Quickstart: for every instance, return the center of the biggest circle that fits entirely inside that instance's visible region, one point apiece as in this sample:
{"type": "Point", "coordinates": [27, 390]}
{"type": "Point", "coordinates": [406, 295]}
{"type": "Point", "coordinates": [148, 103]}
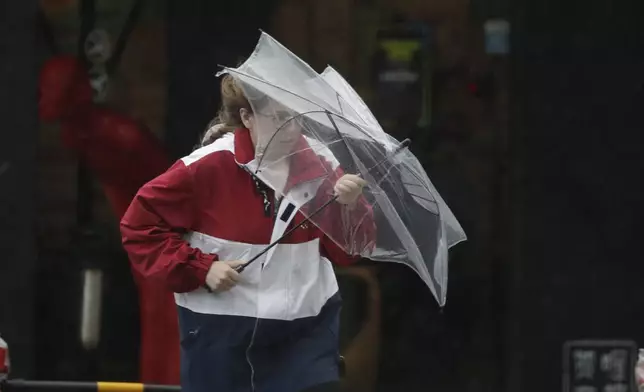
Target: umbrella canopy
{"type": "Point", "coordinates": [310, 129]}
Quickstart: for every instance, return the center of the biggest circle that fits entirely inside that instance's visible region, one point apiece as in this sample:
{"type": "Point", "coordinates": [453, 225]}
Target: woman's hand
{"type": "Point", "coordinates": [222, 275]}
{"type": "Point", "coordinates": [348, 188]}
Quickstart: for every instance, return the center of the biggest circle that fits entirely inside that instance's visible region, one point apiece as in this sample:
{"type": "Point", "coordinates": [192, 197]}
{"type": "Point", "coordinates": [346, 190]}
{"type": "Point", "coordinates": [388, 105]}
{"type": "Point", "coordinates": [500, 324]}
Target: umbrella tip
{"type": "Point", "coordinates": [223, 70]}
{"type": "Point", "coordinates": [404, 144]}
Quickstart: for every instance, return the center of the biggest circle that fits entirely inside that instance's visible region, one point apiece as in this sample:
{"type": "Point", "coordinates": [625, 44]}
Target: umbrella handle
{"type": "Point", "coordinates": [292, 229]}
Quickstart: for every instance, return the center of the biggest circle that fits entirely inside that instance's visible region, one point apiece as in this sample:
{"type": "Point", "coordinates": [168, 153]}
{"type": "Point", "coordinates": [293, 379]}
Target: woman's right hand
{"type": "Point", "coordinates": [222, 275]}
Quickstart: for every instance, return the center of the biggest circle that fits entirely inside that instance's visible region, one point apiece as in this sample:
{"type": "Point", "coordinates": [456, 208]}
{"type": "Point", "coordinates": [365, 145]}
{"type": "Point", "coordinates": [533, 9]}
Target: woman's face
{"type": "Point", "coordinates": [275, 131]}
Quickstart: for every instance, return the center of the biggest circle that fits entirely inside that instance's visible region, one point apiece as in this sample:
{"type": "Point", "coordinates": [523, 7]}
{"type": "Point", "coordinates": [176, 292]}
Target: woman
{"type": "Point", "coordinates": [273, 327]}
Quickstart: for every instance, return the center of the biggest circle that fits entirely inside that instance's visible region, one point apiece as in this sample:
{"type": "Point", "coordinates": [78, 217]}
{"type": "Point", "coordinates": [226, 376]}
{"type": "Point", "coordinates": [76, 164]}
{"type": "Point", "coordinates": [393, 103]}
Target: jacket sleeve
{"type": "Point", "coordinates": [352, 226]}
{"type": "Point", "coordinates": [152, 231]}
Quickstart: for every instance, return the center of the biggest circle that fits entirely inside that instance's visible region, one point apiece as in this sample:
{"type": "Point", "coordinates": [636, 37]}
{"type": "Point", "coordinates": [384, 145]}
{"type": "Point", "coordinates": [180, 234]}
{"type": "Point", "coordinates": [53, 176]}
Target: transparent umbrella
{"type": "Point", "coordinates": [313, 128]}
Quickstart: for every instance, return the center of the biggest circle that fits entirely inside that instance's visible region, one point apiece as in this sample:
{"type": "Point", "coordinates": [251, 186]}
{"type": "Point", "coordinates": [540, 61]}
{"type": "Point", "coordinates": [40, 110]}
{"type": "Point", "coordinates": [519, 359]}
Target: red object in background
{"type": "Point", "coordinates": [4, 359]}
{"type": "Point", "coordinates": [64, 88]}
{"type": "Point", "coordinates": [123, 155]}
{"type": "Point", "coordinates": [473, 87]}
{"type": "Point", "coordinates": [482, 85]}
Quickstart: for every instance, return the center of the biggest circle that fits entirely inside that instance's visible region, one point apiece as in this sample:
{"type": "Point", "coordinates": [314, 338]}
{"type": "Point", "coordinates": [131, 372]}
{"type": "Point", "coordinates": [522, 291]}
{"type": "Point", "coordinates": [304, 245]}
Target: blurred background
{"type": "Point", "coordinates": [528, 116]}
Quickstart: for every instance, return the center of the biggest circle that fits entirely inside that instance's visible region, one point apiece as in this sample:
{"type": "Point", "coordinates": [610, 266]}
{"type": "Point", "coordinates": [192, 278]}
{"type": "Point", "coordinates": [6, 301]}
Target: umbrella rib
{"type": "Point", "coordinates": [337, 130]}
{"type": "Point", "coordinates": [427, 200]}
{"type": "Point", "coordinates": [409, 184]}
{"type": "Point", "coordinates": [425, 187]}
{"type": "Point", "coordinates": [423, 198]}
{"type": "Point", "coordinates": [259, 164]}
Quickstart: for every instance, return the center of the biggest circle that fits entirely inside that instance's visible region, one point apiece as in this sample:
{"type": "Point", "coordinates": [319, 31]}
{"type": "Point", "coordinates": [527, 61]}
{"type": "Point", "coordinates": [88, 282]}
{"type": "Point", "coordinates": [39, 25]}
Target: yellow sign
{"type": "Point", "coordinates": [399, 49]}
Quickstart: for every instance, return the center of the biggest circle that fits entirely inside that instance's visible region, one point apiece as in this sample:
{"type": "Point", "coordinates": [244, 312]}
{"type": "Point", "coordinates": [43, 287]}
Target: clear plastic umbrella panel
{"type": "Point", "coordinates": [311, 129]}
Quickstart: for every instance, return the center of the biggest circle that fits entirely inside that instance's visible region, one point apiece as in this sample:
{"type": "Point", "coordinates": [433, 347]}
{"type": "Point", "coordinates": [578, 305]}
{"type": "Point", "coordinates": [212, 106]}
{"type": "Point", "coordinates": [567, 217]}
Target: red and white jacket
{"type": "Point", "coordinates": [206, 207]}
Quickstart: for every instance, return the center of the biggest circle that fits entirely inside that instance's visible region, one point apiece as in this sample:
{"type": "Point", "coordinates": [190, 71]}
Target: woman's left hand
{"type": "Point", "coordinates": [348, 188]}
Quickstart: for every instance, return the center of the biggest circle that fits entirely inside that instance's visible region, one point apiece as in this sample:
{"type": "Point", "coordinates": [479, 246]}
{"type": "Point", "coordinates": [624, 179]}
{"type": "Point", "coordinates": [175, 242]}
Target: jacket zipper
{"type": "Point", "coordinates": [250, 363]}
{"type": "Point", "coordinates": [270, 208]}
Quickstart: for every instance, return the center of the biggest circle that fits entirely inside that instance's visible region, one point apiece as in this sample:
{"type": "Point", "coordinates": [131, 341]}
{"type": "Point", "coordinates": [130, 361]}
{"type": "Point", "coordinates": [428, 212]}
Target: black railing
{"type": "Point", "coordinates": [89, 386]}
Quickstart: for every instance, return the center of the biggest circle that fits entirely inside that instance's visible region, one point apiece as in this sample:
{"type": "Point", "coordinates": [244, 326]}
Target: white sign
{"type": "Point", "coordinates": [497, 36]}
{"type": "Point", "coordinates": [98, 48]}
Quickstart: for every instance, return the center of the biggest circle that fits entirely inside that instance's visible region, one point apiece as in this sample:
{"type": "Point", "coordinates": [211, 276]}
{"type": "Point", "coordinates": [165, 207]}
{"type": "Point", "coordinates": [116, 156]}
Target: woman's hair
{"type": "Point", "coordinates": [228, 119]}
{"type": "Point", "coordinates": [233, 99]}
{"type": "Point", "coordinates": [213, 132]}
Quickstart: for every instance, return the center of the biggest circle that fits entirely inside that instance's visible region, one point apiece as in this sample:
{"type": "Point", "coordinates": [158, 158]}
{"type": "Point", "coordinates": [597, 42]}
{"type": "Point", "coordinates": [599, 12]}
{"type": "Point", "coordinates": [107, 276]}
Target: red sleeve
{"type": "Point", "coordinates": [356, 223]}
{"type": "Point", "coordinates": [152, 231]}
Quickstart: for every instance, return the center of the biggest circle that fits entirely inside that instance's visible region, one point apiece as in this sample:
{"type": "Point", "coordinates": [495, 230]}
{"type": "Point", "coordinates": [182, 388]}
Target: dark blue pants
{"type": "Point", "coordinates": [285, 356]}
